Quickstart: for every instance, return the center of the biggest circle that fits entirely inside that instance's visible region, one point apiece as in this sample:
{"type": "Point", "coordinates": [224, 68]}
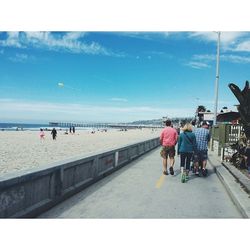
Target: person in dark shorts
{"type": "Point", "coordinates": [202, 138]}
{"type": "Point", "coordinates": [168, 140]}
{"type": "Point", "coordinates": [54, 133]}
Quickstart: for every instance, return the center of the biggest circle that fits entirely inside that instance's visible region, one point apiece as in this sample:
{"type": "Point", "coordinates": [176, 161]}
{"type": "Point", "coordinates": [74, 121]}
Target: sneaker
{"type": "Point", "coordinates": [197, 172]}
{"type": "Point", "coordinates": [183, 177]}
{"type": "Point", "coordinates": [171, 170]}
{"type": "Point", "coordinates": [165, 172]}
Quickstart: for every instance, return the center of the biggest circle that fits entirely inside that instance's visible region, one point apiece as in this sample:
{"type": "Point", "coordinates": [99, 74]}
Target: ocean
{"type": "Point", "coordinates": [33, 127]}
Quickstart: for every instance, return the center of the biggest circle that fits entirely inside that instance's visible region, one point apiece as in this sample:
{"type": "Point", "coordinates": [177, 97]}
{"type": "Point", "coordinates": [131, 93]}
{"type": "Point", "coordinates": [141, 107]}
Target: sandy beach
{"type": "Point", "coordinates": [24, 150]}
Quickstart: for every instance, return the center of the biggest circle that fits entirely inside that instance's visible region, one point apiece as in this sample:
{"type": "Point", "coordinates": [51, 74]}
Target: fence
{"type": "Point", "coordinates": [223, 136]}
{"type": "Point", "coordinates": [31, 192]}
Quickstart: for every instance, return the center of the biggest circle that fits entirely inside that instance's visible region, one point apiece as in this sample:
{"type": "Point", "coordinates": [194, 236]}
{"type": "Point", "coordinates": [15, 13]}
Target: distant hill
{"type": "Point", "coordinates": [148, 122]}
{"type": "Point", "coordinates": [160, 121]}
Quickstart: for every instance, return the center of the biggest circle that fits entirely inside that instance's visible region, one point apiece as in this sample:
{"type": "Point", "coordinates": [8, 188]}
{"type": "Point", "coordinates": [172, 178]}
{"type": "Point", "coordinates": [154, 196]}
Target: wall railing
{"type": "Point", "coordinates": [28, 193]}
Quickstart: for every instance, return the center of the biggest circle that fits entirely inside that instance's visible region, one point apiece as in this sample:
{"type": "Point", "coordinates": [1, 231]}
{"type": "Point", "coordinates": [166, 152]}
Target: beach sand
{"type": "Point", "coordinates": [21, 150]}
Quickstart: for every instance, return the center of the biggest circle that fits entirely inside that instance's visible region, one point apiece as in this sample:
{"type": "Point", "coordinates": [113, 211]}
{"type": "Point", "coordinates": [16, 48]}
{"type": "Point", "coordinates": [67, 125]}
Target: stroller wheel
{"type": "Point", "coordinates": [204, 172]}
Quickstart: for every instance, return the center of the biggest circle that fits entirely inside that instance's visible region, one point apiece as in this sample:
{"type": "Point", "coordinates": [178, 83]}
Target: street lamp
{"type": "Point", "coordinates": [217, 78]}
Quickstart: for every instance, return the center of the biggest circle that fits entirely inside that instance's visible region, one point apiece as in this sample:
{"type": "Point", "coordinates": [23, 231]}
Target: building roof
{"type": "Point", "coordinates": [228, 116]}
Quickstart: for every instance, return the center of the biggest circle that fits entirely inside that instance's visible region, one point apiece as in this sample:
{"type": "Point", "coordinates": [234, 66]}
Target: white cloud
{"type": "Point", "coordinates": [19, 109]}
{"type": "Point", "coordinates": [243, 46]}
{"type": "Point", "coordinates": [148, 35]}
{"type": "Point", "coordinates": [203, 60]}
{"type": "Point", "coordinates": [160, 54]}
{"type": "Point", "coordinates": [8, 104]}
{"type": "Point", "coordinates": [230, 41]}
{"type": "Point", "coordinates": [74, 35]}
{"type": "Point", "coordinates": [12, 40]}
{"type": "Point", "coordinates": [20, 57]}
{"type": "Point", "coordinates": [69, 42]}
{"type": "Point", "coordinates": [117, 99]}
{"type": "Point", "coordinates": [197, 65]}
{"type": "Point", "coordinates": [204, 57]}
{"type": "Point", "coordinates": [235, 58]}
{"type": "Point", "coordinates": [209, 104]}
{"type": "Point", "coordinates": [137, 35]}
{"type": "Point", "coordinates": [226, 37]}
{"type": "Point", "coordinates": [166, 34]}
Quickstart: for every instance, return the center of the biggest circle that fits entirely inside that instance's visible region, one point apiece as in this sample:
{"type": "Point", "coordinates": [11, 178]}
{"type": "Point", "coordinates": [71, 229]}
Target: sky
{"type": "Point", "coordinates": [117, 76]}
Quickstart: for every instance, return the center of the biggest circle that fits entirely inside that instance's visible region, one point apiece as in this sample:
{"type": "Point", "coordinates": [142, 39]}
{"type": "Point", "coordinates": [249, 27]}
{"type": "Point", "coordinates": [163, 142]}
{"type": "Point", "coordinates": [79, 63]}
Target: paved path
{"type": "Point", "coordinates": [139, 190]}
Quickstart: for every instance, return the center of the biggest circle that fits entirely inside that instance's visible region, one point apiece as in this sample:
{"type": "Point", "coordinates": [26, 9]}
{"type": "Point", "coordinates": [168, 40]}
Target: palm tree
{"type": "Point", "coordinates": [200, 108]}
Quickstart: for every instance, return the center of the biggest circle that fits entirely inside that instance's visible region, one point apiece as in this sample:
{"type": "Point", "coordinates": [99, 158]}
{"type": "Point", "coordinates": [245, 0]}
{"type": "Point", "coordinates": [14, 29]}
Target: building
{"type": "Point", "coordinates": [224, 116]}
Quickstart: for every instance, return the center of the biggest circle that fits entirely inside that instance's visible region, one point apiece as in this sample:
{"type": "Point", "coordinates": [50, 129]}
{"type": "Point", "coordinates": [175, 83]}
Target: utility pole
{"type": "Point", "coordinates": [217, 79]}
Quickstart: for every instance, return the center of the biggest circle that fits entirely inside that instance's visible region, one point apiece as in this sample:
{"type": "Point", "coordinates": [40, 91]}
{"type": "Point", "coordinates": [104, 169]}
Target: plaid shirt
{"type": "Point", "coordinates": [202, 138]}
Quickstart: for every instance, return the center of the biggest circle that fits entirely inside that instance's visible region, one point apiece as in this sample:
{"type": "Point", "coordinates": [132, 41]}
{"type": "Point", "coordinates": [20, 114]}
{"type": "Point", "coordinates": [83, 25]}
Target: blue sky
{"type": "Point", "coordinates": [116, 76]}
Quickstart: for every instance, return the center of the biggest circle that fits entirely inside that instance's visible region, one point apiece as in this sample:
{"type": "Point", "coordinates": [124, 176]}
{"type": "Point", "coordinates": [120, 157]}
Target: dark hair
{"type": "Point", "coordinates": [168, 123]}
{"type": "Point", "coordinates": [193, 122]}
{"type": "Point", "coordinates": [204, 123]}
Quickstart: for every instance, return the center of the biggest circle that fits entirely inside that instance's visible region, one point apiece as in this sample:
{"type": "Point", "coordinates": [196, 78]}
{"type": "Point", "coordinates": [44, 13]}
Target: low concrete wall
{"type": "Point", "coordinates": [28, 193]}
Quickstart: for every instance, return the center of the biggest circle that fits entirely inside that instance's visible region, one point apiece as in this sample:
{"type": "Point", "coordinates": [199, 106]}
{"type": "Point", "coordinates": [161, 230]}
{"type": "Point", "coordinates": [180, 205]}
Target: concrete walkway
{"type": "Point", "coordinates": [139, 190]}
{"type": "Point", "coordinates": [236, 184]}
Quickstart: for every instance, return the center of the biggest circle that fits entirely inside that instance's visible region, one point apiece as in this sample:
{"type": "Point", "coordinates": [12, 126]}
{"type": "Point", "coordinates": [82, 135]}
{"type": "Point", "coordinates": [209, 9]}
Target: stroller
{"type": "Point", "coordinates": [201, 173]}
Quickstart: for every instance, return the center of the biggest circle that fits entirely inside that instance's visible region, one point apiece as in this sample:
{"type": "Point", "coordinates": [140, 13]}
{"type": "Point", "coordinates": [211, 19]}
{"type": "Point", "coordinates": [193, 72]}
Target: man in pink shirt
{"type": "Point", "coordinates": [168, 141]}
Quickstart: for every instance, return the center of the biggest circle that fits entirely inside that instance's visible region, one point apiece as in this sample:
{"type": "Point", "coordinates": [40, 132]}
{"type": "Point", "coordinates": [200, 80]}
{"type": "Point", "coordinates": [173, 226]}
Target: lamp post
{"type": "Point", "coordinates": [196, 108]}
{"type": "Point", "coordinates": [217, 79]}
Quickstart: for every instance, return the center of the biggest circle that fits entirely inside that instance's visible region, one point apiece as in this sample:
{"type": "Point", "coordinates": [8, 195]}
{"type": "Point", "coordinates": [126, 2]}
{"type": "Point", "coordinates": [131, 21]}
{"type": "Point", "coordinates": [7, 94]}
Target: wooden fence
{"type": "Point", "coordinates": [222, 137]}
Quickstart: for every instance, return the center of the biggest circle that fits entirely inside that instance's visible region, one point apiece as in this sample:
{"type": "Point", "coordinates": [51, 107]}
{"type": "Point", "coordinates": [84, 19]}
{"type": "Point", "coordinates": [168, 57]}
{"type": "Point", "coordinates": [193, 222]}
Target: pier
{"type": "Point", "coordinates": [102, 125]}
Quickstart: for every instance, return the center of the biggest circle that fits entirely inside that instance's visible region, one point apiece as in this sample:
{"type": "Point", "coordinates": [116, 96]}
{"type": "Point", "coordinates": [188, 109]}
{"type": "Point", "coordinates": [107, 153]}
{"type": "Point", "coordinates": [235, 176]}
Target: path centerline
{"type": "Point", "coordinates": [159, 183]}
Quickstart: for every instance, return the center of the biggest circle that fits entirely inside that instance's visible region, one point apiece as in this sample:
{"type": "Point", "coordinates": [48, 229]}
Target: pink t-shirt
{"type": "Point", "coordinates": [168, 136]}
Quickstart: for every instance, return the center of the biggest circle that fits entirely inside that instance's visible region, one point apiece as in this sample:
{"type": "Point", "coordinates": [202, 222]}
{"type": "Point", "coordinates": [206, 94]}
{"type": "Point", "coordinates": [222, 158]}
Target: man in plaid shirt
{"type": "Point", "coordinates": [202, 139]}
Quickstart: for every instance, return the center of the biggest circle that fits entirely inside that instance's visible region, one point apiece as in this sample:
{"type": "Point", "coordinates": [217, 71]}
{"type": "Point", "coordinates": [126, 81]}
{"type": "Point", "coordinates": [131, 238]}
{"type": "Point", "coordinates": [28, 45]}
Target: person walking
{"type": "Point", "coordinates": [186, 148]}
{"type": "Point", "coordinates": [168, 140]}
{"type": "Point", "coordinates": [41, 134]}
{"type": "Point", "coordinates": [54, 133]}
{"type": "Point", "coordinates": [200, 157]}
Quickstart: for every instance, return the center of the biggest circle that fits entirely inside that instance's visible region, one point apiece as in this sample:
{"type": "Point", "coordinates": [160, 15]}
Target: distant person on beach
{"type": "Point", "coordinates": [42, 134]}
{"type": "Point", "coordinates": [54, 133]}
{"type": "Point", "coordinates": [168, 140]}
{"type": "Point", "coordinates": [70, 129]}
{"type": "Point", "coordinates": [186, 148]}
{"type": "Point", "coordinates": [202, 138]}
{"type": "Point", "coordinates": [73, 129]}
